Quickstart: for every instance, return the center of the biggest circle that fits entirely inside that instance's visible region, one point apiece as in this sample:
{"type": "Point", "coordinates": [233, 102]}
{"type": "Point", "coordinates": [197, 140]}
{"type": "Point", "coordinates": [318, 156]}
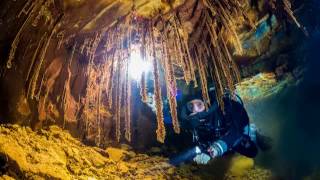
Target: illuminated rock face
{"type": "Point", "coordinates": [61, 58]}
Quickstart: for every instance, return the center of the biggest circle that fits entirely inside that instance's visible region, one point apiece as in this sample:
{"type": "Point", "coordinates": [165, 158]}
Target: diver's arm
{"type": "Point", "coordinates": [218, 148]}
{"type": "Point", "coordinates": [194, 154]}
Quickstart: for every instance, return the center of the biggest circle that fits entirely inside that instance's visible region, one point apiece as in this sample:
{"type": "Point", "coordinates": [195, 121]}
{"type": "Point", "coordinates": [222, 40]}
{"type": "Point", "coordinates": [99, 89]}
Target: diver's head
{"type": "Point", "coordinates": [195, 106]}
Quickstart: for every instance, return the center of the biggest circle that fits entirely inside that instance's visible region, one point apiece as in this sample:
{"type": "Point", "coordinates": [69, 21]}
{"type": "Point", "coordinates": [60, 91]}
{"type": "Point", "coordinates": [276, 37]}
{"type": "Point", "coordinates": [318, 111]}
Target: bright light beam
{"type": "Point", "coordinates": [137, 65]}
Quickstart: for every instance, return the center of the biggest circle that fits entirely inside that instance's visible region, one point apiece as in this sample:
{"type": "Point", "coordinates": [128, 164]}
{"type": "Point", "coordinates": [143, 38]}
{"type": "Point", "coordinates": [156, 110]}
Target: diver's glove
{"type": "Point", "coordinates": [202, 158]}
{"type": "Point", "coordinates": [218, 148]}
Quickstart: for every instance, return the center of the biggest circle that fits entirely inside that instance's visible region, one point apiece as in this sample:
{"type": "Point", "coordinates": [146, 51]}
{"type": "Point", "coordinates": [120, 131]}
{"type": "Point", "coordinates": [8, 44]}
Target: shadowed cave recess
{"type": "Point", "coordinates": [95, 89]}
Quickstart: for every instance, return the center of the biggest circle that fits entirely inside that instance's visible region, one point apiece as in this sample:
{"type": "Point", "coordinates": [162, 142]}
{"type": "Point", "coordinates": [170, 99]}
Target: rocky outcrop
{"type": "Point", "coordinates": [263, 85]}
{"type": "Point", "coordinates": [54, 154]}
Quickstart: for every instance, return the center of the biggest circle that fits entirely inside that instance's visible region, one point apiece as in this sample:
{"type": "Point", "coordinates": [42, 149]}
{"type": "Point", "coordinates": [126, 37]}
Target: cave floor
{"type": "Point", "coordinates": [54, 154]}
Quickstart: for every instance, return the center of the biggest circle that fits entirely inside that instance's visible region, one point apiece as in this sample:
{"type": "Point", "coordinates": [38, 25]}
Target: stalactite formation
{"type": "Point", "coordinates": [203, 79]}
{"type": "Point", "coordinates": [41, 60]}
{"type": "Point", "coordinates": [143, 88]}
{"type": "Point", "coordinates": [171, 84]}
{"type": "Point", "coordinates": [143, 83]}
{"type": "Point", "coordinates": [287, 8]}
{"type": "Point", "coordinates": [108, 85]}
{"type": "Point", "coordinates": [161, 132]}
{"type": "Point", "coordinates": [119, 94]}
{"type": "Point", "coordinates": [128, 105]}
{"type": "Point", "coordinates": [35, 8]}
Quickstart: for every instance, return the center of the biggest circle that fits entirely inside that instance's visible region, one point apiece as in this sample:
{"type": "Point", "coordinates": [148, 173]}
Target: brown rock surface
{"type": "Point", "coordinates": [54, 154]}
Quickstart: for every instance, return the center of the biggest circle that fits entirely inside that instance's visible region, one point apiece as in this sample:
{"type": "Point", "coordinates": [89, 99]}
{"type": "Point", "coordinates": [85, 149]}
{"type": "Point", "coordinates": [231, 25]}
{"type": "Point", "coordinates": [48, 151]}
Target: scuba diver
{"type": "Point", "coordinates": [216, 132]}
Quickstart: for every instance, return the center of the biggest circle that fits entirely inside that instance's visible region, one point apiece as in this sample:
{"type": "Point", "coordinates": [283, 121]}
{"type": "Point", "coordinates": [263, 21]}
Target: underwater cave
{"type": "Point", "coordinates": [159, 89]}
